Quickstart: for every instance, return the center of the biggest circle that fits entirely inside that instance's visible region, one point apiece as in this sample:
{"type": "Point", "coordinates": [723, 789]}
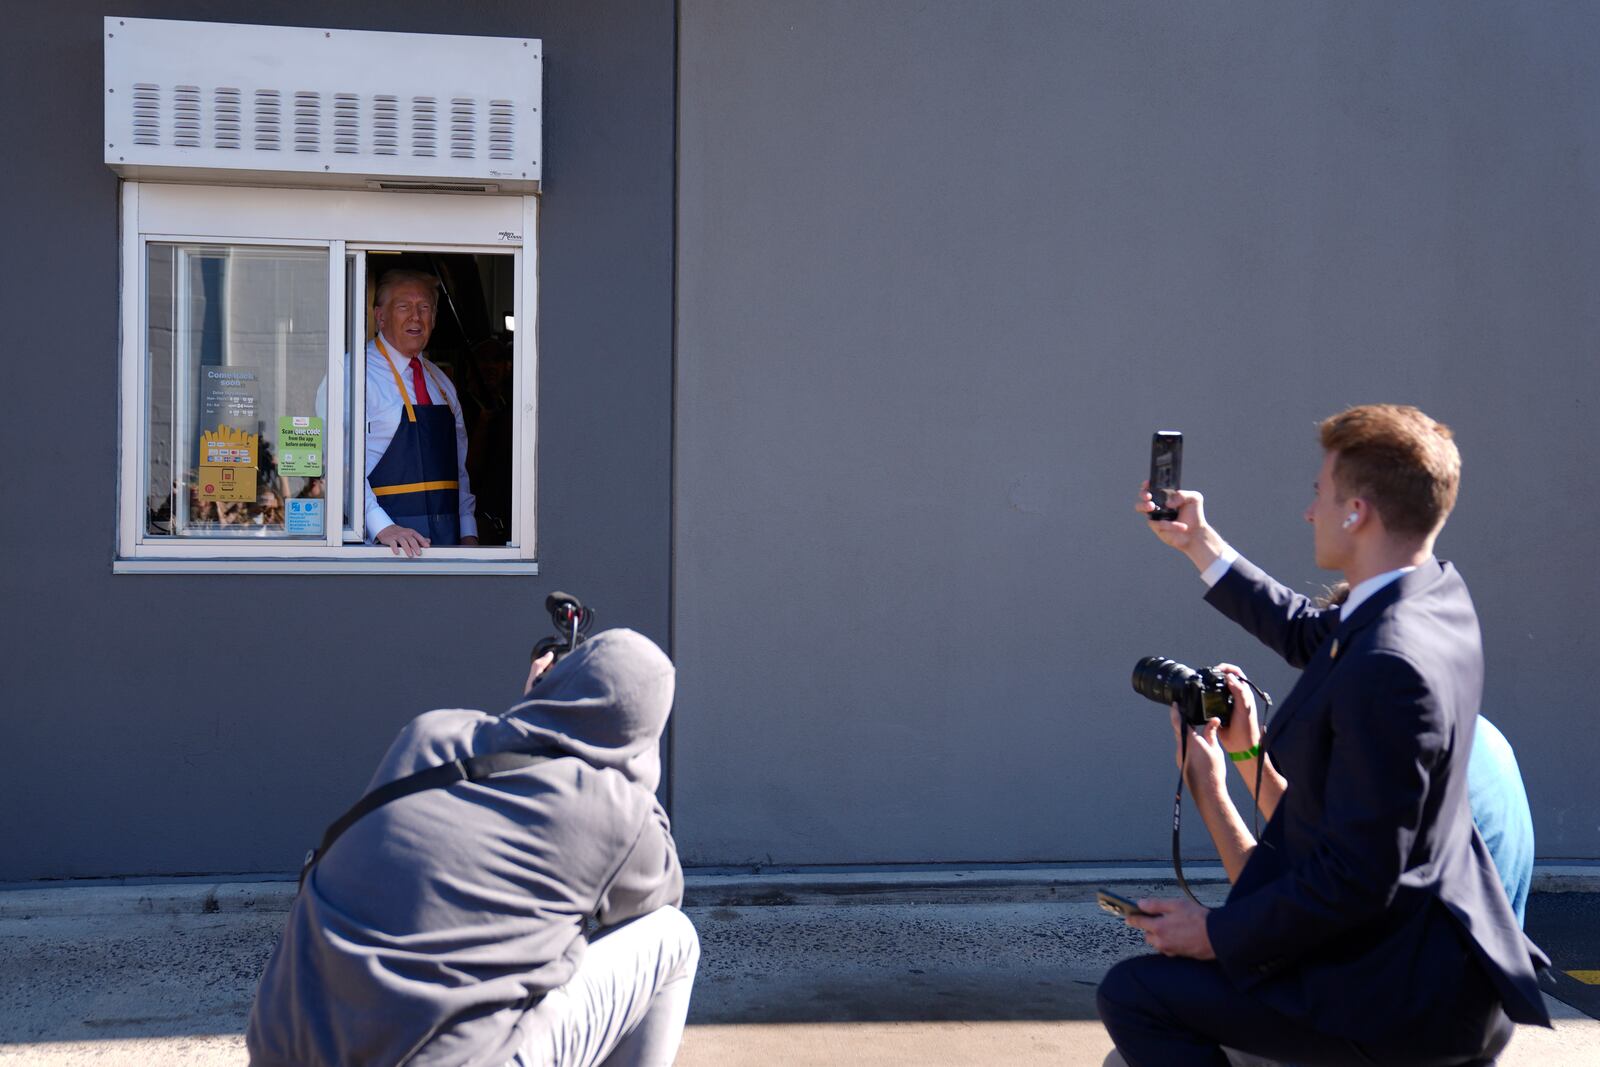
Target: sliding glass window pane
{"type": "Point", "coordinates": [355, 322]}
{"type": "Point", "coordinates": [237, 349]}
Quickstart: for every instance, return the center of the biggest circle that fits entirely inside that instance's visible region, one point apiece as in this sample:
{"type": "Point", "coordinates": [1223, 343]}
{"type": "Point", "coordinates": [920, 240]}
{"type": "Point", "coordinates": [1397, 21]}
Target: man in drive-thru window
{"type": "Point", "coordinates": [418, 493]}
{"type": "Point", "coordinates": [505, 894]}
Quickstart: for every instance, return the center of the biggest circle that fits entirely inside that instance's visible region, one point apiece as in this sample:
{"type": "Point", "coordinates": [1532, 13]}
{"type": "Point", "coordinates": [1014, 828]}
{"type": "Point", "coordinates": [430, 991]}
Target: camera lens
{"type": "Point", "coordinates": [1160, 679]}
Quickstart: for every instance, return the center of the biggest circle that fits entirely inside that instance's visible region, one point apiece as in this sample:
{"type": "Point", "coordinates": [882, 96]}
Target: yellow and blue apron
{"type": "Point", "coordinates": [416, 480]}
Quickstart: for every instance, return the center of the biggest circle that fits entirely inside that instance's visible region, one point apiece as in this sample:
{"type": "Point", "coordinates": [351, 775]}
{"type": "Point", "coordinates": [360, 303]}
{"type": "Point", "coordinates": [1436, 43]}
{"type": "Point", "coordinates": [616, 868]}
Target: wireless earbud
{"type": "Point", "coordinates": [1351, 519]}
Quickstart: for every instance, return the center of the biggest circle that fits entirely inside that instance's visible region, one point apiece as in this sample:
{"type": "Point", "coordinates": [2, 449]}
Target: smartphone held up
{"type": "Point", "coordinates": [1166, 472]}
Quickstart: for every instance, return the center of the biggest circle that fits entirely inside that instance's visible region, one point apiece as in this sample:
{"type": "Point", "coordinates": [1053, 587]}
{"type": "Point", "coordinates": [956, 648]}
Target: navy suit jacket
{"type": "Point", "coordinates": [1371, 892]}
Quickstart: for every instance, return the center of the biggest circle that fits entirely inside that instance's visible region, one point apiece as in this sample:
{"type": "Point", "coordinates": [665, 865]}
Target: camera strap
{"type": "Point", "coordinates": [1177, 819]}
{"type": "Point", "coordinates": [472, 769]}
{"type": "Point", "coordinates": [1177, 795]}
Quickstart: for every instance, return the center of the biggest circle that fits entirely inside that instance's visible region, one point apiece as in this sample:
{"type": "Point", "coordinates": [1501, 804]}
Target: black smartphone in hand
{"type": "Point", "coordinates": [1119, 906]}
{"type": "Point", "coordinates": [1166, 471]}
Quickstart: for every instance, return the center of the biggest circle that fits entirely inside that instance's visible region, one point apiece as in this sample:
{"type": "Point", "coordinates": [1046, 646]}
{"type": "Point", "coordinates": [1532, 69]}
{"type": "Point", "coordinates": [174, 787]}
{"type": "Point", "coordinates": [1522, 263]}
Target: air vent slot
{"type": "Point", "coordinates": [269, 120]}
{"type": "Point", "coordinates": [398, 185]}
{"type": "Point", "coordinates": [226, 124]}
{"type": "Point", "coordinates": [186, 116]}
{"type": "Point", "coordinates": [147, 114]}
{"type": "Point", "coordinates": [386, 125]}
{"type": "Point", "coordinates": [424, 126]}
{"type": "Point", "coordinates": [502, 129]}
{"type": "Point", "coordinates": [307, 121]}
{"type": "Point", "coordinates": [346, 123]}
{"type": "Point", "coordinates": [463, 128]}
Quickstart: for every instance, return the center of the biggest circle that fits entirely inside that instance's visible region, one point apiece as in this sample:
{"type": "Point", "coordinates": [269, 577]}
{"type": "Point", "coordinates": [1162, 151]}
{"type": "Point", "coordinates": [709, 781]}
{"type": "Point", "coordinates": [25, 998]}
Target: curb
{"type": "Point", "coordinates": [73, 900]}
{"type": "Point", "coordinates": [1566, 878]}
{"type": "Point", "coordinates": [950, 886]}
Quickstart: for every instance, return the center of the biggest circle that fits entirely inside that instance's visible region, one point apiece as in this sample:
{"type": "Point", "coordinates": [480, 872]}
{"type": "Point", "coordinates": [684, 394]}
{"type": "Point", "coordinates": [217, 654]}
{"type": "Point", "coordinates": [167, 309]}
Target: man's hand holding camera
{"type": "Point", "coordinates": [1215, 743]}
{"type": "Point", "coordinates": [1178, 927]}
{"type": "Point", "coordinates": [1205, 763]}
{"type": "Point", "coordinates": [539, 665]}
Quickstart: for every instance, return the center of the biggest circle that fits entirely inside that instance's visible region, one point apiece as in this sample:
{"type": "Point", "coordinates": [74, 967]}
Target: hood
{"type": "Point", "coordinates": [606, 702]}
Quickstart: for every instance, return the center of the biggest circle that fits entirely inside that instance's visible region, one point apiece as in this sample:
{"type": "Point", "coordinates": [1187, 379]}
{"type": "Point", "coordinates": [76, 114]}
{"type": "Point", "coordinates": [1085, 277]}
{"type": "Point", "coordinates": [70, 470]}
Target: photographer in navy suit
{"type": "Point", "coordinates": [1368, 925]}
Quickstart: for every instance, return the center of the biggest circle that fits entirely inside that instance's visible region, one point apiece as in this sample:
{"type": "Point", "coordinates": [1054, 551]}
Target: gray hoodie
{"type": "Point", "coordinates": [428, 930]}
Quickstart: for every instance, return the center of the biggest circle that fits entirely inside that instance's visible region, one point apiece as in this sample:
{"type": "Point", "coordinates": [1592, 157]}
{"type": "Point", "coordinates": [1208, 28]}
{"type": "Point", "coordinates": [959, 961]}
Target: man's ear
{"type": "Point", "coordinates": [1357, 513]}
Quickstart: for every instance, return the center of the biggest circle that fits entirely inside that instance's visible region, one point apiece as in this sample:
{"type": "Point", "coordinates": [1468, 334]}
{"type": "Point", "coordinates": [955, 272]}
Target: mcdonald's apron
{"type": "Point", "coordinates": [416, 480]}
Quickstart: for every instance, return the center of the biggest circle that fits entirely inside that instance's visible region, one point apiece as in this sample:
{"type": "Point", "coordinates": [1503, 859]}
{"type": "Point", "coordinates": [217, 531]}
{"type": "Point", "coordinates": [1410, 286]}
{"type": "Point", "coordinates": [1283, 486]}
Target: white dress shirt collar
{"type": "Point", "coordinates": [402, 361]}
{"type": "Point", "coordinates": [1363, 591]}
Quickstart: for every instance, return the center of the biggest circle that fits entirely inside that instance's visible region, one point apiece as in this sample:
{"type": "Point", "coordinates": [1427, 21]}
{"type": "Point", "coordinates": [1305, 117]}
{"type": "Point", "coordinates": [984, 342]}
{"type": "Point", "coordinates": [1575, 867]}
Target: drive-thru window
{"type": "Point", "coordinates": [272, 177]}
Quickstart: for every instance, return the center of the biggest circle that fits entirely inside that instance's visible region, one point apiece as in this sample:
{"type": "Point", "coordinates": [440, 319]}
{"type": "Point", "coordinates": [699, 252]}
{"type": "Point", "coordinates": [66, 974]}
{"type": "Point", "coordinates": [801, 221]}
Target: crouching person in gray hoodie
{"type": "Point", "coordinates": [447, 927]}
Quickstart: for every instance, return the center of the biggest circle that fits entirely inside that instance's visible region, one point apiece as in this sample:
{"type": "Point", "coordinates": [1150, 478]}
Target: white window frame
{"type": "Point", "coordinates": [341, 222]}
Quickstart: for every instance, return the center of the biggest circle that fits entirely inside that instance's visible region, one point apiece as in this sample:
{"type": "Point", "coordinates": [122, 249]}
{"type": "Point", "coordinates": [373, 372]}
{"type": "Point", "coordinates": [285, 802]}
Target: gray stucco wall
{"type": "Point", "coordinates": [944, 266]}
{"type": "Point", "coordinates": [120, 759]}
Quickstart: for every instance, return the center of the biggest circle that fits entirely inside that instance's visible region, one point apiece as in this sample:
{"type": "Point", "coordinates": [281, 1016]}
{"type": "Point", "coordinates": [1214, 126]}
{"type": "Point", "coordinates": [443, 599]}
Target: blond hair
{"type": "Point", "coordinates": [1403, 462]}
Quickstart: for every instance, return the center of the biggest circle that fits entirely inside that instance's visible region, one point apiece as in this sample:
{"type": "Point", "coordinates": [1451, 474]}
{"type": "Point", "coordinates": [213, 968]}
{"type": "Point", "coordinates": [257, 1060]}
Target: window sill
{"type": "Point", "coordinates": [386, 565]}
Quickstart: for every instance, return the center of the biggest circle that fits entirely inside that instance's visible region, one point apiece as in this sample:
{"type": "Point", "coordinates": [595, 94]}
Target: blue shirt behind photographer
{"type": "Point", "coordinates": [1500, 808]}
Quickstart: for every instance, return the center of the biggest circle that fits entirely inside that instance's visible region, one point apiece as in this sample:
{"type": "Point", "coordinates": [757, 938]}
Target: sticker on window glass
{"type": "Point", "coordinates": [235, 485]}
{"type": "Point", "coordinates": [227, 466]}
{"type": "Point", "coordinates": [300, 446]}
{"type": "Point", "coordinates": [304, 516]}
{"type": "Point", "coordinates": [228, 396]}
{"type": "Point", "coordinates": [228, 447]}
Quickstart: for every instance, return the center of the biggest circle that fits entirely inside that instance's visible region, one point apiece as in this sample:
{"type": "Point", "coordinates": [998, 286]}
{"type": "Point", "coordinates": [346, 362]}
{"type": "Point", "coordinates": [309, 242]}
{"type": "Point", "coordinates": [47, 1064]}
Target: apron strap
{"type": "Point", "coordinates": [411, 412]}
{"type": "Point", "coordinates": [434, 374]}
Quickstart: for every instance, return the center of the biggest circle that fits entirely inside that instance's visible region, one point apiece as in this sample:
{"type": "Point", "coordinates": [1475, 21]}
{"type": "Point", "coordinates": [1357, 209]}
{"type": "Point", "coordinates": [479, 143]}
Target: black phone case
{"type": "Point", "coordinates": [1166, 471]}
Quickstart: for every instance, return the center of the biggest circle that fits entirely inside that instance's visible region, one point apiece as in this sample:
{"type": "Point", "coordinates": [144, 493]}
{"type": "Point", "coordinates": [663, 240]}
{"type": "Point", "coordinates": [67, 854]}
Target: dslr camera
{"type": "Point", "coordinates": [1200, 695]}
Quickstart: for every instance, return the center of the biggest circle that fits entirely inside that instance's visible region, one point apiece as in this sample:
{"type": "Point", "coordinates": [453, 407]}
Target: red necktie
{"type": "Point", "coordinates": [419, 384]}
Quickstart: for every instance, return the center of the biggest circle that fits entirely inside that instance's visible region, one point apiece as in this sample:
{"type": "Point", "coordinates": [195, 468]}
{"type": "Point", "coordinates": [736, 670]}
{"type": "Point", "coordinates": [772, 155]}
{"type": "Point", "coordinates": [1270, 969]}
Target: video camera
{"type": "Point", "coordinates": [572, 622]}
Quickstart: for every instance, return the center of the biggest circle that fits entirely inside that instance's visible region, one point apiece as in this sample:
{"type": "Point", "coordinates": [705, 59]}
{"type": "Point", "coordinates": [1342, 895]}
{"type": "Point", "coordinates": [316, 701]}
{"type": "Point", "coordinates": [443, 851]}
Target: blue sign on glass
{"type": "Point", "coordinates": [304, 516]}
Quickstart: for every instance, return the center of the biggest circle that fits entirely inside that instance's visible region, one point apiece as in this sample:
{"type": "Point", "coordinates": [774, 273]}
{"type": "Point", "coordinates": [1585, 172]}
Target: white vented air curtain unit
{"type": "Point", "coordinates": [284, 105]}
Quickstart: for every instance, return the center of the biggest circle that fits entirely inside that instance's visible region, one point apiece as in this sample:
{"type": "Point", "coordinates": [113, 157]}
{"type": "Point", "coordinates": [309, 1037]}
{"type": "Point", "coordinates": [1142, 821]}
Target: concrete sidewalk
{"type": "Point", "coordinates": [938, 967]}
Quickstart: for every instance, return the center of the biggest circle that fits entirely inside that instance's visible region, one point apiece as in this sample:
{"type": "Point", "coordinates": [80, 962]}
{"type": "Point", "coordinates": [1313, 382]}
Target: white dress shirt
{"type": "Point", "coordinates": [386, 406]}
